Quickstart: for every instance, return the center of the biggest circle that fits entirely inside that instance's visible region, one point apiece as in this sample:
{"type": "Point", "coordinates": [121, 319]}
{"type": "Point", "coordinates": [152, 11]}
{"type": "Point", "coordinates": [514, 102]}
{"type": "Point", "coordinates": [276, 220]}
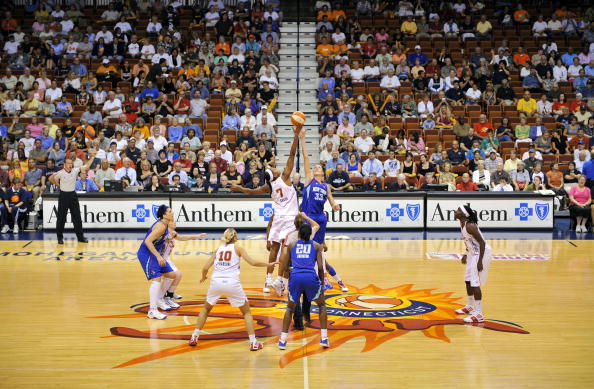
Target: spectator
{"type": "Point", "coordinates": [84, 184]}
{"type": "Point", "coordinates": [466, 184]}
{"type": "Point", "coordinates": [372, 184]}
{"type": "Point", "coordinates": [126, 171]}
{"type": "Point", "coordinates": [339, 180]}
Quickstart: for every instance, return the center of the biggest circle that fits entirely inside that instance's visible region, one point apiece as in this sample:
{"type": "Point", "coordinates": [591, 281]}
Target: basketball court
{"type": "Point", "coordinates": [76, 317]}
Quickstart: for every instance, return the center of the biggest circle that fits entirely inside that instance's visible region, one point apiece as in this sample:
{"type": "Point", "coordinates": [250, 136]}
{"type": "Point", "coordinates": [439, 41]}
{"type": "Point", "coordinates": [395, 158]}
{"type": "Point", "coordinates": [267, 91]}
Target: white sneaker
{"type": "Point", "coordinates": [279, 287]}
{"type": "Point", "coordinates": [267, 283]}
{"type": "Point", "coordinates": [169, 301]}
{"type": "Point", "coordinates": [177, 296]}
{"type": "Point", "coordinates": [163, 305]}
{"type": "Point", "coordinates": [5, 229]}
{"type": "Point", "coordinates": [476, 317]}
{"type": "Point", "coordinates": [15, 229]}
{"type": "Point", "coordinates": [155, 314]}
{"type": "Point", "coordinates": [467, 310]}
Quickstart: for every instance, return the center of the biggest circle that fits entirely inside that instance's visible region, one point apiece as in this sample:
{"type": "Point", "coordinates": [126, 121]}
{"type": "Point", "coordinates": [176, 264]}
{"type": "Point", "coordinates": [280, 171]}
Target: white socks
{"type": "Point", "coordinates": [154, 290]}
{"type": "Point", "coordinates": [284, 336]}
{"type": "Point", "coordinates": [471, 301]}
{"type": "Point", "coordinates": [253, 338]}
{"type": "Point", "coordinates": [324, 333]}
{"type": "Point", "coordinates": [165, 284]}
{"type": "Point", "coordinates": [478, 306]}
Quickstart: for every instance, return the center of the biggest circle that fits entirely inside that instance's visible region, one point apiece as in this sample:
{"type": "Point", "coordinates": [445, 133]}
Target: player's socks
{"type": "Point", "coordinates": [253, 338]}
{"type": "Point", "coordinates": [470, 301]}
{"type": "Point", "coordinates": [154, 290]}
{"type": "Point", "coordinates": [324, 341]}
{"type": "Point", "coordinates": [267, 283]}
{"type": "Point", "coordinates": [165, 284]}
{"type": "Point", "coordinates": [284, 336]}
{"type": "Point", "coordinates": [478, 306]}
{"type": "Point", "coordinates": [282, 343]}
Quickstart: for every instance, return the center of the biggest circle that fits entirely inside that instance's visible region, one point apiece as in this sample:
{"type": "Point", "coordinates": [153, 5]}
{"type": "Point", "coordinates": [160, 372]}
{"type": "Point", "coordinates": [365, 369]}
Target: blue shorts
{"type": "Point", "coordinates": [304, 282]}
{"type": "Point", "coordinates": [322, 220]}
{"type": "Point", "coordinates": [151, 267]}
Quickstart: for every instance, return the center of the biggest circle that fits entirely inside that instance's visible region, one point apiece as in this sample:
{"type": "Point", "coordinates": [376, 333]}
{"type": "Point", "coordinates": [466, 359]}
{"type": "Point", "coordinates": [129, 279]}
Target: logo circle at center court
{"type": "Point", "coordinates": [370, 306]}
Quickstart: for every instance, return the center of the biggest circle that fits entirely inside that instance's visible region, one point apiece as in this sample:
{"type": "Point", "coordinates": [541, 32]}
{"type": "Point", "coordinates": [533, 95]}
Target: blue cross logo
{"type": "Point", "coordinates": [266, 212]}
{"type": "Point", "coordinates": [140, 213]}
{"type": "Point", "coordinates": [524, 212]}
{"type": "Point", "coordinates": [395, 212]}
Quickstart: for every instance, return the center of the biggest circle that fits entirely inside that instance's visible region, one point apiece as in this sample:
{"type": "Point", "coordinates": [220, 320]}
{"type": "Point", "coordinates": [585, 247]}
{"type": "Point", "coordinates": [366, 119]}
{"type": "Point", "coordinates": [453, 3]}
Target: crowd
{"type": "Point", "coordinates": [160, 96]}
{"type": "Point", "coordinates": [474, 95]}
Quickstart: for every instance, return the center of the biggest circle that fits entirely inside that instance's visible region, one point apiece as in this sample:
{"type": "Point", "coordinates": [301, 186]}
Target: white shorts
{"type": "Point", "coordinates": [472, 274]}
{"type": "Point", "coordinates": [228, 287]}
{"type": "Point", "coordinates": [280, 228]}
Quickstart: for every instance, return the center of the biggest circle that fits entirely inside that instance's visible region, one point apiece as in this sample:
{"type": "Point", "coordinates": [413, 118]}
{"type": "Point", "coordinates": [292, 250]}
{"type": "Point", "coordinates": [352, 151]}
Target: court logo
{"type": "Point", "coordinates": [542, 210]}
{"type": "Point", "coordinates": [395, 212]}
{"type": "Point", "coordinates": [266, 212]}
{"type": "Point", "coordinates": [413, 211]}
{"type": "Point", "coordinates": [140, 213]}
{"type": "Point", "coordinates": [375, 315]}
{"type": "Point", "coordinates": [524, 211]}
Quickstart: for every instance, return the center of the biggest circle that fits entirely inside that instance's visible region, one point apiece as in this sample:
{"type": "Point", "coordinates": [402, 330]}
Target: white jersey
{"type": "Point", "coordinates": [472, 245]}
{"type": "Point", "coordinates": [168, 246]}
{"type": "Point", "coordinates": [226, 263]}
{"type": "Point", "coordinates": [284, 197]}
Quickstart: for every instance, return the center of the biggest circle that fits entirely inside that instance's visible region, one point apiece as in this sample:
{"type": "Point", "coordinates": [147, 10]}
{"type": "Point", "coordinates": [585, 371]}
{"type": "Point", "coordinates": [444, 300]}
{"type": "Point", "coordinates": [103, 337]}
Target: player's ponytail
{"type": "Point", "coordinates": [305, 232]}
{"type": "Point", "coordinates": [229, 236]}
{"type": "Point", "coordinates": [298, 222]}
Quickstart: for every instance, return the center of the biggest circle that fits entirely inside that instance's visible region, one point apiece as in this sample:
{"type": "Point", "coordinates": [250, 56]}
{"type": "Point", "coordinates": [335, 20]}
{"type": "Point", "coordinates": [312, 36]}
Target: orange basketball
{"type": "Point", "coordinates": [298, 118]}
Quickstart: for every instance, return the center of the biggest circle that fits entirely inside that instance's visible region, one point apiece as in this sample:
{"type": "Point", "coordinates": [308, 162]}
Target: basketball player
{"type": "Point", "coordinates": [285, 204]}
{"type": "Point", "coordinates": [225, 282]}
{"type": "Point", "coordinates": [153, 264]}
{"type": "Point", "coordinates": [170, 284]}
{"type": "Point", "coordinates": [305, 254]}
{"type": "Point", "coordinates": [477, 260]}
{"type": "Point", "coordinates": [280, 284]}
{"type": "Point", "coordinates": [315, 194]}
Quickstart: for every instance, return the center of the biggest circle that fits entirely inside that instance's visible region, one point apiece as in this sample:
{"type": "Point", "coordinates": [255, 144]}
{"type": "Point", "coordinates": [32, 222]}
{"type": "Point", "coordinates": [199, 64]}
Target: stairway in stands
{"type": "Point", "coordinates": [298, 79]}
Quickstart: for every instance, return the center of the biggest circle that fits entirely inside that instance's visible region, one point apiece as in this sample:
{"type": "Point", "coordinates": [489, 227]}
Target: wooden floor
{"type": "Point", "coordinates": [73, 323]}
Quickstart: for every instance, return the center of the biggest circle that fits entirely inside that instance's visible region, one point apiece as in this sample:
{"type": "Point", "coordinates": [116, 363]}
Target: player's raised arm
{"type": "Point", "coordinates": [264, 189]}
{"type": "Point", "coordinates": [306, 161]}
{"type": "Point", "coordinates": [315, 227]}
{"type": "Point", "coordinates": [333, 203]}
{"type": "Point", "coordinates": [244, 255]}
{"type": "Point", "coordinates": [189, 237]}
{"type": "Point", "coordinates": [286, 176]}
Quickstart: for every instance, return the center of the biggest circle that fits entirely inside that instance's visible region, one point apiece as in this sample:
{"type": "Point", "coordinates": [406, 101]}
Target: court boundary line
{"type": "Point", "coordinates": [305, 365]}
{"type": "Point", "coordinates": [571, 243]}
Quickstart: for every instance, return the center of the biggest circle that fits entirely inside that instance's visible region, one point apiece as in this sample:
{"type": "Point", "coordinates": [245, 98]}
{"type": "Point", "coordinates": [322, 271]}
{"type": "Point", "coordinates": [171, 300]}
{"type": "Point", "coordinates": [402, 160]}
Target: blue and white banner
{"type": "Point", "coordinates": [504, 212]}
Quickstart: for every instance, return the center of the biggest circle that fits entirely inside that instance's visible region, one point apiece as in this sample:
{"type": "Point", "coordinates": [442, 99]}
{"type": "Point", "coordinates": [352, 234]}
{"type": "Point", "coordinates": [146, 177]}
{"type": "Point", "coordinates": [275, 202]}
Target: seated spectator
{"type": "Point", "coordinates": [466, 185]}
{"type": "Point", "coordinates": [126, 171]}
{"type": "Point", "coordinates": [502, 186]}
{"type": "Point", "coordinates": [176, 185]}
{"type": "Point", "coordinates": [580, 203]}
{"type": "Point", "coordinates": [481, 176]}
{"type": "Point", "coordinates": [372, 184]}
{"type": "Point", "coordinates": [527, 105]}
{"type": "Point", "coordinates": [177, 171]}
{"type": "Point", "coordinates": [364, 143]}
{"type": "Point", "coordinates": [456, 155]}
{"type": "Point", "coordinates": [84, 184]}
{"type": "Point", "coordinates": [354, 166]}
{"type": "Point", "coordinates": [522, 132]}
{"type": "Point", "coordinates": [339, 179]}
{"type": "Point", "coordinates": [536, 185]}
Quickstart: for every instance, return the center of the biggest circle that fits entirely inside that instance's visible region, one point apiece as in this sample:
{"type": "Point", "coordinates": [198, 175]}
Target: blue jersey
{"type": "Point", "coordinates": [314, 198]}
{"type": "Point", "coordinates": [159, 243]}
{"type": "Point", "coordinates": [304, 256]}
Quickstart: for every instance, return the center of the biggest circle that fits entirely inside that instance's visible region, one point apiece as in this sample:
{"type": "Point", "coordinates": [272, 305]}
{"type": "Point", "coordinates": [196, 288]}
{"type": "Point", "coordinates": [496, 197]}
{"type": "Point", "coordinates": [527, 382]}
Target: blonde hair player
{"type": "Point", "coordinates": [284, 203]}
{"type": "Point", "coordinates": [225, 282]}
{"type": "Point", "coordinates": [477, 260]}
{"type": "Point", "coordinates": [170, 284]}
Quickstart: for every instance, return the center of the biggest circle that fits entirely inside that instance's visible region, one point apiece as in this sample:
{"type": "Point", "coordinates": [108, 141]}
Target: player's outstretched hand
{"type": "Point", "coordinates": [297, 130]}
{"type": "Point", "coordinates": [336, 207]}
{"type": "Point", "coordinates": [301, 132]}
{"type": "Point", "coordinates": [464, 259]}
{"type": "Point", "coordinates": [161, 261]}
{"type": "Point", "coordinates": [200, 236]}
{"type": "Point", "coordinates": [272, 265]}
{"type": "Point", "coordinates": [203, 279]}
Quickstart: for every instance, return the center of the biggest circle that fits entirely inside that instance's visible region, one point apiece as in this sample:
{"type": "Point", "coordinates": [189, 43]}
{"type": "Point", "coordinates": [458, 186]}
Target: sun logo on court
{"type": "Point", "coordinates": [374, 314]}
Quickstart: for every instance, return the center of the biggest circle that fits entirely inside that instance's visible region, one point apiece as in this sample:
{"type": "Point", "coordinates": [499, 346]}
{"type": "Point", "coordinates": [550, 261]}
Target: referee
{"type": "Point", "coordinates": [68, 200]}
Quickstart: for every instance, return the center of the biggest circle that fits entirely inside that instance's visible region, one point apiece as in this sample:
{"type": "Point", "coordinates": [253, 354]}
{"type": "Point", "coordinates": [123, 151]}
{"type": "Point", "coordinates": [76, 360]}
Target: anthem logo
{"type": "Point", "coordinates": [440, 213]}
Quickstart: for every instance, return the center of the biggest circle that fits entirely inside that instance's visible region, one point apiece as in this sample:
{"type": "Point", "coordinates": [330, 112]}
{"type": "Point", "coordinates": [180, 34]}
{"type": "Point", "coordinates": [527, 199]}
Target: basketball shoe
{"type": "Point", "coordinates": [193, 340]}
{"type": "Point", "coordinates": [177, 296]}
{"type": "Point", "coordinates": [282, 345]}
{"type": "Point", "coordinates": [155, 314]}
{"type": "Point", "coordinates": [343, 287]}
{"type": "Point", "coordinates": [279, 286]}
{"type": "Point", "coordinates": [163, 305]}
{"type": "Point", "coordinates": [171, 303]}
{"type": "Point", "coordinates": [475, 318]}
{"type": "Point", "coordinates": [327, 284]}
{"type": "Point", "coordinates": [255, 346]}
{"type": "Point", "coordinates": [325, 343]}
{"type": "Point", "coordinates": [267, 283]}
{"type": "Point", "coordinates": [465, 310]}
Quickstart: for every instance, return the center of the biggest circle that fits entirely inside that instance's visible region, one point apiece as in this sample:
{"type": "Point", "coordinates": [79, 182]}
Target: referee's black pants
{"type": "Point", "coordinates": [69, 201]}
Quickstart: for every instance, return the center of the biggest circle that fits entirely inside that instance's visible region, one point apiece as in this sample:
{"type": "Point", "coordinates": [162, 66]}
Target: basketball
{"type": "Point", "coordinates": [298, 118]}
{"type": "Point", "coordinates": [369, 302]}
